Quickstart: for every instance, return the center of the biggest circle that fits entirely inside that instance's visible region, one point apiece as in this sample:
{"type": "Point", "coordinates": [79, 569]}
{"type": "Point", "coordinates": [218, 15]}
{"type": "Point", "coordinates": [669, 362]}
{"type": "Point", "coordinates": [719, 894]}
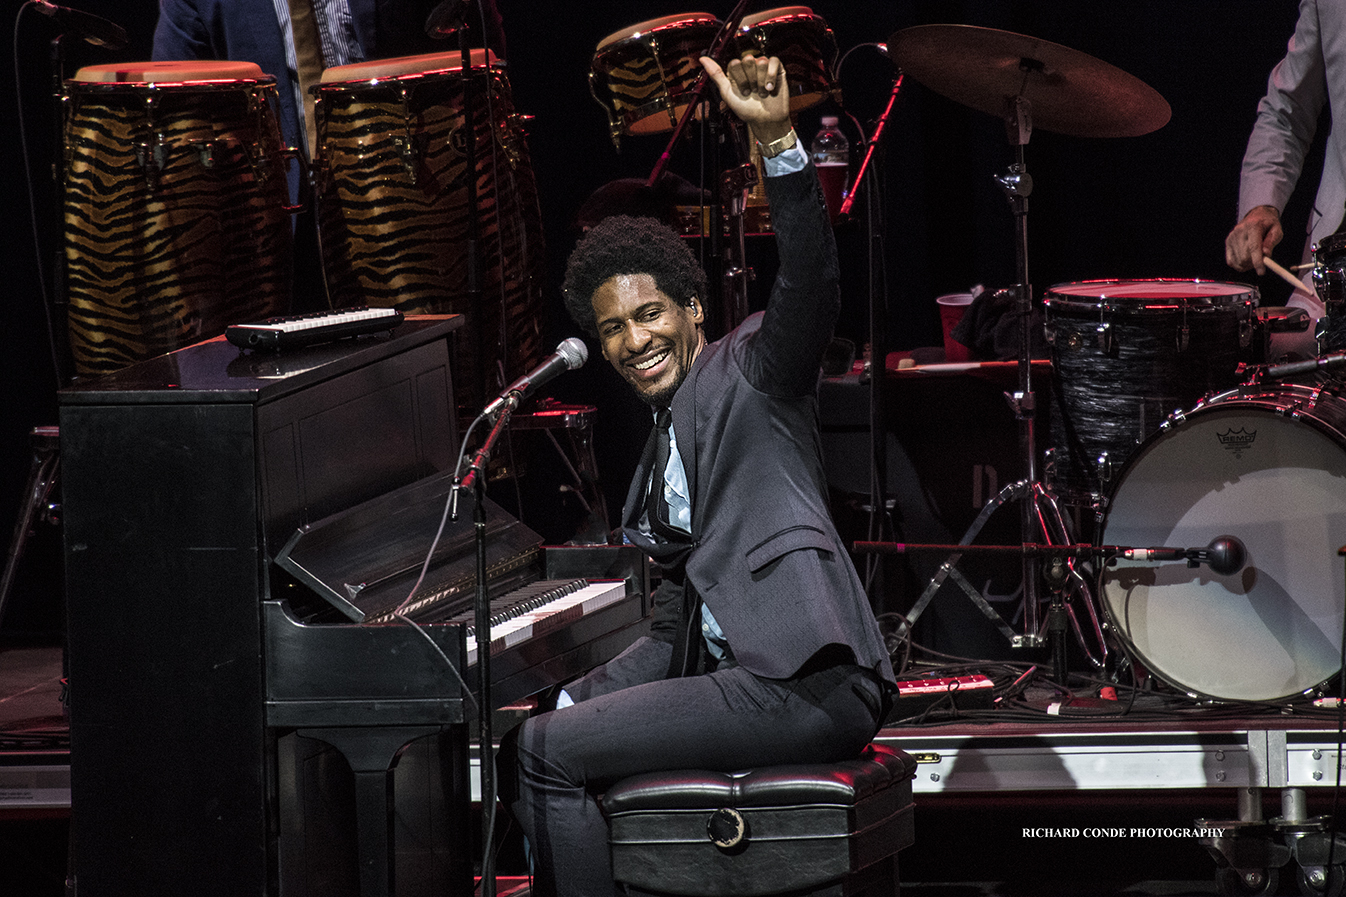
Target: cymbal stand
{"type": "Point", "coordinates": [1039, 514]}
{"type": "Point", "coordinates": [1018, 185]}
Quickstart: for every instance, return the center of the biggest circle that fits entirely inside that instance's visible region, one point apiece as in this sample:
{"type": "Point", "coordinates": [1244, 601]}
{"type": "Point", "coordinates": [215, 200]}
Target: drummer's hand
{"type": "Point", "coordinates": [1252, 238]}
{"type": "Point", "coordinates": [755, 90]}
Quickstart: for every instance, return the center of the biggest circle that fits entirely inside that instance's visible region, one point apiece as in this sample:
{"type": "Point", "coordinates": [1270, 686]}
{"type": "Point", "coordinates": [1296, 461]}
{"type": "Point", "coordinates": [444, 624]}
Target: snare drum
{"type": "Point", "coordinates": [642, 76]}
{"type": "Point", "coordinates": [1266, 465]}
{"type": "Point", "coordinates": [176, 222]}
{"type": "Point", "coordinates": [806, 47]}
{"type": "Point", "coordinates": [391, 191]}
{"type": "Point", "coordinates": [1125, 354]}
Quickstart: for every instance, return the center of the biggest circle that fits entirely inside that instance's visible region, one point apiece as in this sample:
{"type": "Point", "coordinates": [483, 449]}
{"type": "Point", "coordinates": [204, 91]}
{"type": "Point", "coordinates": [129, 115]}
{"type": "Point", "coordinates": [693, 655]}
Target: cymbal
{"type": "Point", "coordinates": [1071, 92]}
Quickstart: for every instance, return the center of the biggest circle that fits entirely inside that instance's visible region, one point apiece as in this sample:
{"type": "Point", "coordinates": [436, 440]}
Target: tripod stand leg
{"type": "Point", "coordinates": [36, 497]}
{"type": "Point", "coordinates": [1076, 586]}
{"type": "Point", "coordinates": [947, 569]}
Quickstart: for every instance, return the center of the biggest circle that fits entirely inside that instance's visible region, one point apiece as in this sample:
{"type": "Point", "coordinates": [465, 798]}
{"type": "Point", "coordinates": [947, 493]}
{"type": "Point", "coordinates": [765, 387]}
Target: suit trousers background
{"type": "Point", "coordinates": [553, 765]}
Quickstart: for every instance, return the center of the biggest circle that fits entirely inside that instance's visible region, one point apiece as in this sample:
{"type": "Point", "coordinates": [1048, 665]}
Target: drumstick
{"type": "Point", "coordinates": [1304, 267]}
{"type": "Point", "coordinates": [1286, 275]}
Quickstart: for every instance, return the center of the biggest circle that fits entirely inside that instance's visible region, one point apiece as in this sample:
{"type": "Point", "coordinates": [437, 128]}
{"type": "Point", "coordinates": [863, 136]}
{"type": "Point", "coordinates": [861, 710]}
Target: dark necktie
{"type": "Point", "coordinates": [309, 58]}
{"type": "Point", "coordinates": [655, 505]}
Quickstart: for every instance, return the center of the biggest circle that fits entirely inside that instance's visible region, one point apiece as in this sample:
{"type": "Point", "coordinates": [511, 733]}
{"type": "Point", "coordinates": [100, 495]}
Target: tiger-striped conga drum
{"type": "Point", "coordinates": [393, 206]}
{"type": "Point", "coordinates": [642, 76]}
{"type": "Point", "coordinates": [175, 207]}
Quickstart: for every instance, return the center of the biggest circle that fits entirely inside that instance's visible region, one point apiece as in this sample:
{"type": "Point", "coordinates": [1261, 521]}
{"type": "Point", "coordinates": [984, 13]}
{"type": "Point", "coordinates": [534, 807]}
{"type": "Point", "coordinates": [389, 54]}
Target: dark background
{"type": "Point", "coordinates": [1151, 206]}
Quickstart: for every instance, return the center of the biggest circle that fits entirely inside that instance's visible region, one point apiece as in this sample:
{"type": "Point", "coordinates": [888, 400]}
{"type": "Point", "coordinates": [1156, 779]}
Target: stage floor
{"type": "Point", "coordinates": [34, 734]}
{"type": "Point", "coordinates": [1008, 804]}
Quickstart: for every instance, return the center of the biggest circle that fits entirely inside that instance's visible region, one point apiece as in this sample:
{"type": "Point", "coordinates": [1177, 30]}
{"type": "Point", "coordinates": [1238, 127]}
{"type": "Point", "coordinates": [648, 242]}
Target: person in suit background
{"type": "Point", "coordinates": [279, 35]}
{"type": "Point", "coordinates": [294, 41]}
{"type": "Point", "coordinates": [1300, 87]}
{"type": "Point", "coordinates": [763, 648]}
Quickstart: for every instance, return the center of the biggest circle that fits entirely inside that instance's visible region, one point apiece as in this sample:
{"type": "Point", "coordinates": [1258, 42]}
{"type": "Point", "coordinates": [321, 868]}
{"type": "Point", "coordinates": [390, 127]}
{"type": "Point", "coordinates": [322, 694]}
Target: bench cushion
{"type": "Point", "coordinates": [778, 828]}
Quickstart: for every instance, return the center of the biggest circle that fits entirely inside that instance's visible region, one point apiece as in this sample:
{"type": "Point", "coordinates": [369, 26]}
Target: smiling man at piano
{"type": "Point", "coordinates": [763, 648]}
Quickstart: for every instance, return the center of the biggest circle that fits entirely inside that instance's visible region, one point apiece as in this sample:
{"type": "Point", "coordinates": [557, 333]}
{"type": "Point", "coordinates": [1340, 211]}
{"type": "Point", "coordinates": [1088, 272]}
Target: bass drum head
{"type": "Point", "coordinates": [1236, 466]}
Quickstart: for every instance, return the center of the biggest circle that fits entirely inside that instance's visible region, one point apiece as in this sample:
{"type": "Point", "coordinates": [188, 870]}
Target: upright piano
{"type": "Point", "coordinates": [253, 681]}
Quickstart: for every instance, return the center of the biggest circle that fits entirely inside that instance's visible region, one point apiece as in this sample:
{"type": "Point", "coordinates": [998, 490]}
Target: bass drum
{"type": "Point", "coordinates": [1265, 465]}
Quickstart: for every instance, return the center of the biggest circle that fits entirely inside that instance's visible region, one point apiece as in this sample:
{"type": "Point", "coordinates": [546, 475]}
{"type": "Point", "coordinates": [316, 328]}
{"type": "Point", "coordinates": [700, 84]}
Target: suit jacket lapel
{"type": "Point", "coordinates": [362, 14]}
{"type": "Point", "coordinates": [684, 427]}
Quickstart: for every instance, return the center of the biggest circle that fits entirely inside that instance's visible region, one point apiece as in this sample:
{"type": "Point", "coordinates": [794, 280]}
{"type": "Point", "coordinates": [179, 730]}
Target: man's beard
{"type": "Point", "coordinates": [663, 398]}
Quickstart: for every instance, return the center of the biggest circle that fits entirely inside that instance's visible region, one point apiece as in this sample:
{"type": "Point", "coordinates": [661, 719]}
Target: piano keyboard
{"type": "Point", "coordinates": [295, 331]}
{"type": "Point", "coordinates": [547, 605]}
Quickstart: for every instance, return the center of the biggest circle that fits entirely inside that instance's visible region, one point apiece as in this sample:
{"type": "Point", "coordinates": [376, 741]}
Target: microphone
{"type": "Point", "coordinates": [1294, 368]}
{"type": "Point", "coordinates": [572, 353]}
{"type": "Point", "coordinates": [446, 18]}
{"type": "Point", "coordinates": [1224, 555]}
{"type": "Point", "coordinates": [94, 29]}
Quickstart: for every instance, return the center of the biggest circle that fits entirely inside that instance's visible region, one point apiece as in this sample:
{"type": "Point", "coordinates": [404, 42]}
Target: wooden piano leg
{"type": "Point", "coordinates": [370, 753]}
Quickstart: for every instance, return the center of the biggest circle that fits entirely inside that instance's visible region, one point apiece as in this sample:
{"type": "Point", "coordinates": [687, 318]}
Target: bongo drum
{"type": "Point", "coordinates": [176, 215]}
{"type": "Point", "coordinates": [806, 47]}
{"type": "Point", "coordinates": [642, 76]}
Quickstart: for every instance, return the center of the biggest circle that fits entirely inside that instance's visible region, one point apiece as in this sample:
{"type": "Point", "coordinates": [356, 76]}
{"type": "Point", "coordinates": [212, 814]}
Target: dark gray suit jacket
{"type": "Point", "coordinates": [765, 556]}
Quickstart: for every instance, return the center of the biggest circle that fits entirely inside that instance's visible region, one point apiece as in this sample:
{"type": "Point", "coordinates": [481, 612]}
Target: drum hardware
{"type": "Point", "coordinates": [1104, 339]}
{"type": "Point", "coordinates": [735, 299]}
{"type": "Point", "coordinates": [1224, 555]}
{"type": "Point", "coordinates": [1296, 368]}
{"type": "Point", "coordinates": [734, 186]}
{"type": "Point", "coordinates": [1027, 82]}
{"type": "Point", "coordinates": [152, 158]}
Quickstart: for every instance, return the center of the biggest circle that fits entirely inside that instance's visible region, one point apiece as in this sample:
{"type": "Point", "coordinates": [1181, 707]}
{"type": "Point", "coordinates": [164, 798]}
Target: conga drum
{"type": "Point", "coordinates": [391, 186]}
{"type": "Point", "coordinates": [176, 215]}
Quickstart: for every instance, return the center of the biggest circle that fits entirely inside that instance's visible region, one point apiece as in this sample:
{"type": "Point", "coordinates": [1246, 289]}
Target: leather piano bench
{"type": "Point", "coordinates": [817, 829]}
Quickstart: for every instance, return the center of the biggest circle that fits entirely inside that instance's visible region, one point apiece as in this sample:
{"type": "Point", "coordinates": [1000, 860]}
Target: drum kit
{"type": "Point", "coordinates": [1168, 423]}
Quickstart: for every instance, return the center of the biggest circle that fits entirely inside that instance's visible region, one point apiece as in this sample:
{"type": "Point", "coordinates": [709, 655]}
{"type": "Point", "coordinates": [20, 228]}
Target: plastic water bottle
{"type": "Point", "coordinates": [832, 157]}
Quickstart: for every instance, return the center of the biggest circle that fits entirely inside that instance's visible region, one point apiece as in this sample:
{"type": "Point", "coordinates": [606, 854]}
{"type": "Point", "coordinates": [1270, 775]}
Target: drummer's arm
{"type": "Point", "coordinates": [1253, 238]}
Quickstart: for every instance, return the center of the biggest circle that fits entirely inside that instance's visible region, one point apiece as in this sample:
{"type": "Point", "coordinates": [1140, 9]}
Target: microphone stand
{"type": "Point", "coordinates": [731, 277]}
{"type": "Point", "coordinates": [877, 324]}
{"type": "Point", "coordinates": [57, 310]}
{"type": "Point", "coordinates": [879, 127]}
{"type": "Point", "coordinates": [438, 29]}
{"type": "Point", "coordinates": [475, 481]}
{"type": "Point", "coordinates": [474, 291]}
